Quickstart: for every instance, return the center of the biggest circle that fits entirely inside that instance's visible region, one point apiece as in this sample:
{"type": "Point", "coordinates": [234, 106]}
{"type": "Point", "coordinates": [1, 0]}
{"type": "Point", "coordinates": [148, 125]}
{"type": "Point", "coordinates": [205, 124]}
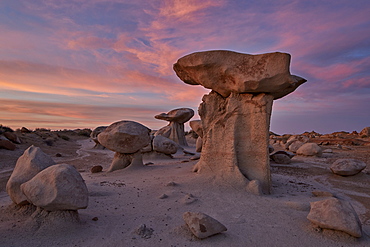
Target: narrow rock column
{"type": "Point", "coordinates": [235, 138]}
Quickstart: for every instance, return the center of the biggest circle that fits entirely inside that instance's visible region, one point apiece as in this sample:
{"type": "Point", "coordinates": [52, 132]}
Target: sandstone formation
{"type": "Point", "coordinates": [94, 136]}
{"type": "Point", "coordinates": [347, 167]}
{"type": "Point", "coordinates": [196, 125]}
{"type": "Point", "coordinates": [28, 165]}
{"type": "Point", "coordinates": [175, 129]}
{"type": "Point", "coordinates": [58, 187]}
{"type": "Point", "coordinates": [365, 132]}
{"type": "Point", "coordinates": [310, 149]}
{"type": "Point", "coordinates": [202, 225]}
{"type": "Point", "coordinates": [335, 214]}
{"type": "Point", "coordinates": [126, 138]}
{"type": "Point", "coordinates": [236, 113]}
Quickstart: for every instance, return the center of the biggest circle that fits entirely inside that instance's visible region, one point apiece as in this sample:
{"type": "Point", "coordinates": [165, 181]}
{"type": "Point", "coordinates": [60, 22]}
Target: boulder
{"type": "Point", "coordinates": [28, 165]}
{"type": "Point", "coordinates": [58, 187]}
{"type": "Point", "coordinates": [12, 137]}
{"type": "Point", "coordinates": [227, 71]}
{"type": "Point", "coordinates": [280, 158]}
{"type": "Point", "coordinates": [335, 214]}
{"type": "Point", "coordinates": [365, 132]}
{"type": "Point", "coordinates": [310, 149]}
{"type": "Point", "coordinates": [347, 167]}
{"type": "Point", "coordinates": [175, 129]}
{"type": "Point", "coordinates": [25, 130]}
{"type": "Point", "coordinates": [202, 225]}
{"type": "Point", "coordinates": [295, 145]}
{"type": "Point", "coordinates": [164, 145]}
{"type": "Point", "coordinates": [6, 144]}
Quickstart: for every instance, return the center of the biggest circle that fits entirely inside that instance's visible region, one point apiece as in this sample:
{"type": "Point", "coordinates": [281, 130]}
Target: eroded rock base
{"type": "Point", "coordinates": [235, 139]}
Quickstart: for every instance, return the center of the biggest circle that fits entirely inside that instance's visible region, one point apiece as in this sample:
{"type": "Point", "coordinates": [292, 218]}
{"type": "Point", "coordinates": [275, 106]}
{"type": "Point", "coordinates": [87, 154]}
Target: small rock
{"type": "Point", "coordinates": [202, 225]}
{"type": "Point", "coordinates": [149, 163]}
{"type": "Point", "coordinates": [188, 199]}
{"type": "Point", "coordinates": [185, 161]}
{"type": "Point", "coordinates": [96, 169]}
{"type": "Point", "coordinates": [58, 155]}
{"type": "Point", "coordinates": [195, 157]}
{"type": "Point", "coordinates": [95, 219]}
{"type": "Point", "coordinates": [254, 187]}
{"type": "Point", "coordinates": [188, 152]}
{"type": "Point", "coordinates": [347, 167]}
{"type": "Point", "coordinates": [335, 214]}
{"type": "Point", "coordinates": [318, 193]}
{"type": "Point", "coordinates": [144, 232]}
{"type": "Point", "coordinates": [163, 196]}
{"type": "Point", "coordinates": [171, 184]}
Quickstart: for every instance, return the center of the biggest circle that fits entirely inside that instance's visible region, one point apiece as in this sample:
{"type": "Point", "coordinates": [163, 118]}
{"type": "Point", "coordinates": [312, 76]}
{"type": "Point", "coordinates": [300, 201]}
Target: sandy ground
{"type": "Point", "coordinates": [121, 201]}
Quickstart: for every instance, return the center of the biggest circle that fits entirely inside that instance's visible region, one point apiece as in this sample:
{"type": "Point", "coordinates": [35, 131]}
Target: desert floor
{"type": "Point", "coordinates": [122, 201]}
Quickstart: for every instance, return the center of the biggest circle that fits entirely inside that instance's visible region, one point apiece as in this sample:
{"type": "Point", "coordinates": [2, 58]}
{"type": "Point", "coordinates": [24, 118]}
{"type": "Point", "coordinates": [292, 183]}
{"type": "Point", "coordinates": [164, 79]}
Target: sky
{"type": "Point", "coordinates": [70, 64]}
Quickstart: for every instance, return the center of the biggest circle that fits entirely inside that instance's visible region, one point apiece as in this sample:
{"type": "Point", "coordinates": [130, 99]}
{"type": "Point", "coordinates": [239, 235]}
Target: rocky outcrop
{"type": "Point", "coordinates": [236, 113]}
{"type": "Point", "coordinates": [175, 129]}
{"type": "Point", "coordinates": [28, 165]}
{"type": "Point", "coordinates": [57, 187]}
{"type": "Point", "coordinates": [335, 214]}
{"type": "Point", "coordinates": [202, 225]}
{"type": "Point", "coordinates": [365, 132]}
{"type": "Point", "coordinates": [126, 138]}
{"type": "Point", "coordinates": [347, 167]}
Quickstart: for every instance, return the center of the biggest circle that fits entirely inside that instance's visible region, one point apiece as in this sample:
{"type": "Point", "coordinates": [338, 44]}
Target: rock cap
{"type": "Point", "coordinates": [227, 71]}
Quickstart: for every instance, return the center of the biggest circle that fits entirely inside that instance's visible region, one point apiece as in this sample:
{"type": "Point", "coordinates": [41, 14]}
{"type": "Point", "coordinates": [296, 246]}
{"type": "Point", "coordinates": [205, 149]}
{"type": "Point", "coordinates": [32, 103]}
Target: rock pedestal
{"type": "Point", "coordinates": [236, 114]}
{"type": "Point", "coordinates": [235, 138]}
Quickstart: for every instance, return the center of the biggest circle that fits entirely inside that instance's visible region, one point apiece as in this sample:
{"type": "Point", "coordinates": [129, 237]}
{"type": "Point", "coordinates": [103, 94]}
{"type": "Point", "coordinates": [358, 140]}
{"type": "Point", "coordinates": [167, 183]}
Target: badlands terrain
{"type": "Point", "coordinates": [144, 207]}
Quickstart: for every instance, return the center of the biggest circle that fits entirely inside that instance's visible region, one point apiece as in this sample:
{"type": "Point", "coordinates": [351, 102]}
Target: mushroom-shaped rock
{"type": "Point", "coordinates": [236, 113]}
{"type": "Point", "coordinates": [94, 136]}
{"type": "Point", "coordinates": [177, 118]}
{"type": "Point", "coordinates": [28, 165]}
{"type": "Point", "coordinates": [347, 167]}
{"type": "Point", "coordinates": [335, 214]}
{"type": "Point", "coordinates": [228, 71]}
{"type": "Point", "coordinates": [58, 187]}
{"type": "Point", "coordinates": [202, 225]}
{"type": "Point", "coordinates": [126, 138]}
